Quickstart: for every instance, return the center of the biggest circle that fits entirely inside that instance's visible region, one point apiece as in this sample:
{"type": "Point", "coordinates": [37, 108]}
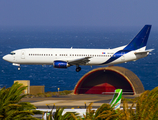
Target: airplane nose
{"type": "Point", "coordinates": [4, 57]}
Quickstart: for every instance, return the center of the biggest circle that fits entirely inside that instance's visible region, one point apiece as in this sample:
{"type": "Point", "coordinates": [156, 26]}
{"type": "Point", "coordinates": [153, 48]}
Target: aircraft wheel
{"type": "Point", "coordinates": [78, 69]}
{"type": "Point", "coordinates": [18, 68]}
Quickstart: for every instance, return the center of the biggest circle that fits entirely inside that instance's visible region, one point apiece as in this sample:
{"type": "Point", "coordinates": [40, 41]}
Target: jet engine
{"type": "Point", "coordinates": [60, 64]}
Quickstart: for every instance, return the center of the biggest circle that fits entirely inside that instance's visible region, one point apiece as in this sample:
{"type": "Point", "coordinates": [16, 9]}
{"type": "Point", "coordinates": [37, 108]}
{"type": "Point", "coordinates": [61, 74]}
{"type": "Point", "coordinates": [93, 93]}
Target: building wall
{"type": "Point", "coordinates": [36, 89]}
{"type": "Point", "coordinates": [25, 83]}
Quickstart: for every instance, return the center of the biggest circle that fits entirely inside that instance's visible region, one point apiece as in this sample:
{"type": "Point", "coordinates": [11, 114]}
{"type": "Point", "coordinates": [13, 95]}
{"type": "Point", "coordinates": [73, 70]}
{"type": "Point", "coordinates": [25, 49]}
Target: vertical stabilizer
{"type": "Point", "coordinates": [116, 100]}
{"type": "Point", "coordinates": [140, 40]}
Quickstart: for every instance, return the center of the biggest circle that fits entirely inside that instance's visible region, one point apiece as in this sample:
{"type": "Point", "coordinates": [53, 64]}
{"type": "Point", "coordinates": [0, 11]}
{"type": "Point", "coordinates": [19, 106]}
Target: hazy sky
{"type": "Point", "coordinates": [78, 12]}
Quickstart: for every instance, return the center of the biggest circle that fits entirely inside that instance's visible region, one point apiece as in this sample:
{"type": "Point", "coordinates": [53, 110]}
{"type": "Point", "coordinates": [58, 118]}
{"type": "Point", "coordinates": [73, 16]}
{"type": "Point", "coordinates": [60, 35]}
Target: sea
{"type": "Point", "coordinates": [12, 38]}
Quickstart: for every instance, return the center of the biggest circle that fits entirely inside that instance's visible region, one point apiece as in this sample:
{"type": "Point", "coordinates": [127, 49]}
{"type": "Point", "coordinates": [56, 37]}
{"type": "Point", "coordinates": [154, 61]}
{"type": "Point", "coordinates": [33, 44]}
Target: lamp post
{"type": "Point", "coordinates": [58, 91]}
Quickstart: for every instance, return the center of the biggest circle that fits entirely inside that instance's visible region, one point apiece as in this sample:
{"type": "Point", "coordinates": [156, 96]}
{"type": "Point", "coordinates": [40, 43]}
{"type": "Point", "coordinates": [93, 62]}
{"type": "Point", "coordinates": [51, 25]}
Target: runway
{"type": "Point", "coordinates": [71, 101]}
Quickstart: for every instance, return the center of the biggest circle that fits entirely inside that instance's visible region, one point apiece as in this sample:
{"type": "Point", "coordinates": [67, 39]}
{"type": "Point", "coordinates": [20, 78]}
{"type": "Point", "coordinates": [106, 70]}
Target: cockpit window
{"type": "Point", "coordinates": [12, 53]}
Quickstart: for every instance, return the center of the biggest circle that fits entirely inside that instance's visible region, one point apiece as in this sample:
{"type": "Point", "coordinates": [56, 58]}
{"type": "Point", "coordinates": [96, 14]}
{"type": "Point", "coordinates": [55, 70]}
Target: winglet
{"type": "Point", "coordinates": [116, 100]}
{"type": "Point", "coordinates": [140, 40]}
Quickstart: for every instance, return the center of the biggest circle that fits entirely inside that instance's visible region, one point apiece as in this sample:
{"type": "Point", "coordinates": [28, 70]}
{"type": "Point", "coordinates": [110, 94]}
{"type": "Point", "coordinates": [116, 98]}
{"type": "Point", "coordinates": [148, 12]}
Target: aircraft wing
{"type": "Point", "coordinates": [146, 51]}
{"type": "Point", "coordinates": [81, 61]}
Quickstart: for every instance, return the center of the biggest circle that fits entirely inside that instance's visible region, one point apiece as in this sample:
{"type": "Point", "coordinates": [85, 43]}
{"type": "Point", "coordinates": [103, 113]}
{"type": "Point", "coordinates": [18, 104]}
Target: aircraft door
{"type": "Point", "coordinates": [22, 54]}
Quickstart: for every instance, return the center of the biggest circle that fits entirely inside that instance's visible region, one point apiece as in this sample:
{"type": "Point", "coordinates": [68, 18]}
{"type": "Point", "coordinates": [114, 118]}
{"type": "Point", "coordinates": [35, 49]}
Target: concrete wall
{"type": "Point", "coordinates": [25, 83]}
{"type": "Point", "coordinates": [36, 89]}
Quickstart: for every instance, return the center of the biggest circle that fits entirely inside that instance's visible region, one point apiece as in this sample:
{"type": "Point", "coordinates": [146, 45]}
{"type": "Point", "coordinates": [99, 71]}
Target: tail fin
{"type": "Point", "coordinates": [140, 39]}
{"type": "Point", "coordinates": [116, 100]}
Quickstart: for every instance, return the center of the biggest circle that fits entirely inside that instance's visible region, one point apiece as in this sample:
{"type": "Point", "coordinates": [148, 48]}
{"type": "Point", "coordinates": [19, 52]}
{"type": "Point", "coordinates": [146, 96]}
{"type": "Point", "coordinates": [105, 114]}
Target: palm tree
{"type": "Point", "coordinates": [60, 116]}
{"type": "Point", "coordinates": [127, 113]}
{"type": "Point", "coordinates": [89, 113]}
{"type": "Point", "coordinates": [10, 106]}
{"type": "Point", "coordinates": [104, 112]}
{"type": "Point", "coordinates": [146, 107]}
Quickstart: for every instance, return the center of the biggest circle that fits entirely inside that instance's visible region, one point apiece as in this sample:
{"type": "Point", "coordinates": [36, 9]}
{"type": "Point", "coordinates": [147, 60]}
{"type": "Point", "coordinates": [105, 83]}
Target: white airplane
{"type": "Point", "coordinates": [66, 57]}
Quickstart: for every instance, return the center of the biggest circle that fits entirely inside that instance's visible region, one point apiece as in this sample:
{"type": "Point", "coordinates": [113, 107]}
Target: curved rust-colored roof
{"type": "Point", "coordinates": [107, 79]}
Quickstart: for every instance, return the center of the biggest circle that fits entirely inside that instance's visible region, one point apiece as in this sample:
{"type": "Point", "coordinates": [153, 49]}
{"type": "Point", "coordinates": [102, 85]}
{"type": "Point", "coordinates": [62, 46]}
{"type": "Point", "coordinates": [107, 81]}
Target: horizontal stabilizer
{"type": "Point", "coordinates": [146, 51]}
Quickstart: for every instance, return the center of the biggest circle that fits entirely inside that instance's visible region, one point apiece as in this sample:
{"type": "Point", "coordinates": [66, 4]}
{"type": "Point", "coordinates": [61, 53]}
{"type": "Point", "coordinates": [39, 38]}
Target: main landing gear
{"type": "Point", "coordinates": [78, 68]}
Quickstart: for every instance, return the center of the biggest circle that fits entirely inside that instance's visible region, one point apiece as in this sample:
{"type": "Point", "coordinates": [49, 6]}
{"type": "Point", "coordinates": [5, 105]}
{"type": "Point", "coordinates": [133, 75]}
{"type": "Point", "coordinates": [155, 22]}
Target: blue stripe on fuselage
{"type": "Point", "coordinates": [116, 56]}
{"type": "Point", "coordinates": [139, 41]}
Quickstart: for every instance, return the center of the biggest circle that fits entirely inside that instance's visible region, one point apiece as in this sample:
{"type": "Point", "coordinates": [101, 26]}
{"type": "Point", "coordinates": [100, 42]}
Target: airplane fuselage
{"type": "Point", "coordinates": [47, 56]}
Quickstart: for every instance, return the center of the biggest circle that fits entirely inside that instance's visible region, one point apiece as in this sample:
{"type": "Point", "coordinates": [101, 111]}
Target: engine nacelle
{"type": "Point", "coordinates": [60, 64]}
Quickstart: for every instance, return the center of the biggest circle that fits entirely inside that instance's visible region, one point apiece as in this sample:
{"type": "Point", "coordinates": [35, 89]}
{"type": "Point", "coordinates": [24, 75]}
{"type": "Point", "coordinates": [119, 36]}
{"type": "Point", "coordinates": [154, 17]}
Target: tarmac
{"type": "Point", "coordinates": [72, 101]}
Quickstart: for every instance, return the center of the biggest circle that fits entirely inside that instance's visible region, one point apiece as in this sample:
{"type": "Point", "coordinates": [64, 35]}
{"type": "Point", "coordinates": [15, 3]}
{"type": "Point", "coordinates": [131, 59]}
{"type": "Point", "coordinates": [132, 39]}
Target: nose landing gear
{"type": "Point", "coordinates": [19, 68]}
{"type": "Point", "coordinates": [15, 64]}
